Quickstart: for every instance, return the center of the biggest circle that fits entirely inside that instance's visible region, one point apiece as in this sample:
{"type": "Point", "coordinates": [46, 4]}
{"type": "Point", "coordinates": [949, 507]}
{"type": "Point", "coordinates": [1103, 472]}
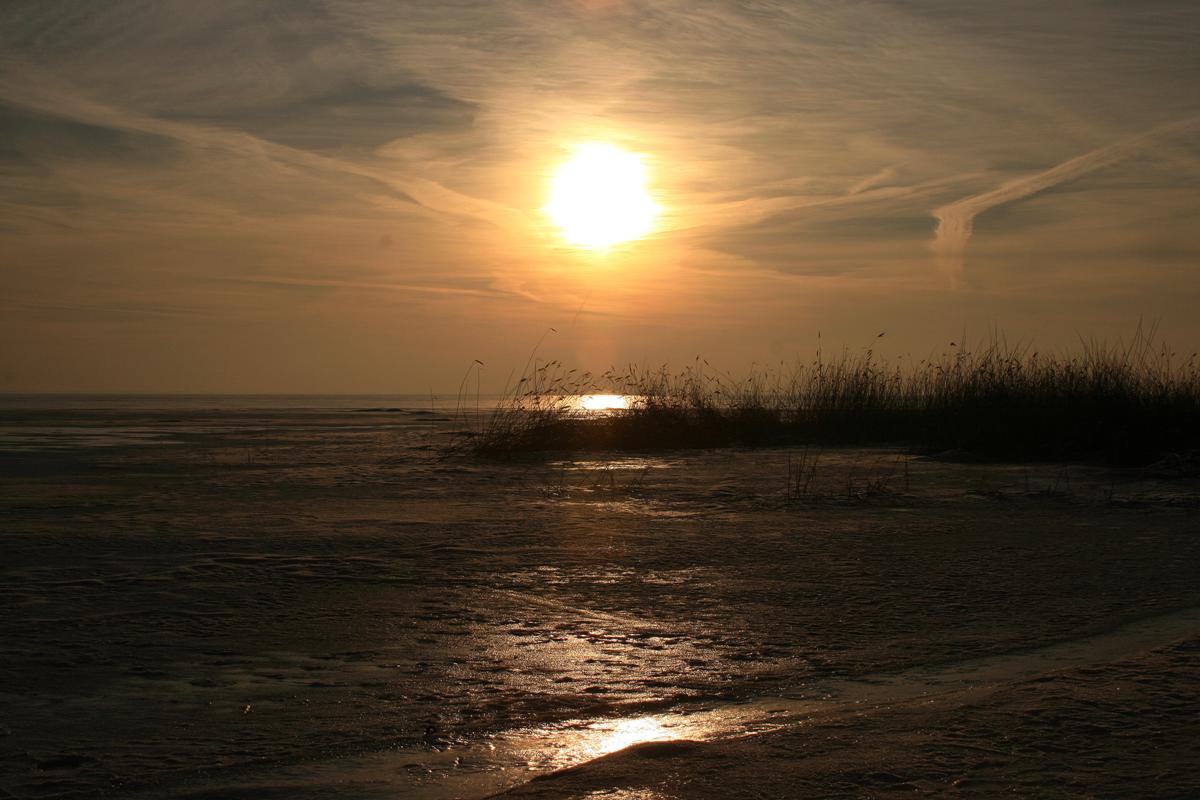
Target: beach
{"type": "Point", "coordinates": [321, 597]}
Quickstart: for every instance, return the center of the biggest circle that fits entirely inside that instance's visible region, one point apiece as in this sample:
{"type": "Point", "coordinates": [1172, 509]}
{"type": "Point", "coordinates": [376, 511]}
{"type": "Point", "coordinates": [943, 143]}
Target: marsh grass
{"type": "Point", "coordinates": [1121, 404]}
{"type": "Point", "coordinates": [884, 480]}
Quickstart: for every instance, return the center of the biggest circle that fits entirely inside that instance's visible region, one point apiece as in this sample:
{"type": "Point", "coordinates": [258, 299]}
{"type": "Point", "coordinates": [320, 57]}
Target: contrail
{"type": "Point", "coordinates": [956, 220]}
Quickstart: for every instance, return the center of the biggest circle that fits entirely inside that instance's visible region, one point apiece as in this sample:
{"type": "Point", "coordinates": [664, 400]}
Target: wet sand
{"type": "Point", "coordinates": [317, 603]}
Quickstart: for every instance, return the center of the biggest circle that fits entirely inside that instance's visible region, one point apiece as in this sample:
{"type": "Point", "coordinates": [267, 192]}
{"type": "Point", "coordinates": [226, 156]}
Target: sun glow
{"type": "Point", "coordinates": [603, 402]}
{"type": "Point", "coordinates": [598, 198]}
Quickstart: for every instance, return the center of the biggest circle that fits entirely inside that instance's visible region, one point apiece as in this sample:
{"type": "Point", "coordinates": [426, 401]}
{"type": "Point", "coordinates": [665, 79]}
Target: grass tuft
{"type": "Point", "coordinates": [1121, 404]}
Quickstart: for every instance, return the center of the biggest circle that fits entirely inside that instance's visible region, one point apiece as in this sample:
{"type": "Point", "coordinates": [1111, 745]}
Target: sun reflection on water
{"type": "Point", "coordinates": [484, 767]}
{"type": "Point", "coordinates": [603, 402]}
{"type": "Point", "coordinates": [634, 731]}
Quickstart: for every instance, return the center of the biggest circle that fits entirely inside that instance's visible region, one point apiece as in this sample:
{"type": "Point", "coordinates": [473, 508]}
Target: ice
{"type": "Point", "coordinates": [319, 601]}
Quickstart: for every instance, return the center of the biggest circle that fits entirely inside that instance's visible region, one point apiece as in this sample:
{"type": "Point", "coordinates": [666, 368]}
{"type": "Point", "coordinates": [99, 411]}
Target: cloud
{"type": "Point", "coordinates": [352, 117]}
{"type": "Point", "coordinates": [881, 178]}
{"type": "Point", "coordinates": [109, 157]}
{"type": "Point", "coordinates": [286, 282]}
{"type": "Point", "coordinates": [129, 311]}
{"type": "Point", "coordinates": [29, 135]}
{"type": "Point", "coordinates": [955, 221]}
{"type": "Point", "coordinates": [153, 150]}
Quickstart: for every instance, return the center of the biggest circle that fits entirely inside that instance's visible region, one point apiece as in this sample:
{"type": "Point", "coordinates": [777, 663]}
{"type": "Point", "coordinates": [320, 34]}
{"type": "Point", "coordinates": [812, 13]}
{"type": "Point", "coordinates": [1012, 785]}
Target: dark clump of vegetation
{"type": "Point", "coordinates": [1124, 405]}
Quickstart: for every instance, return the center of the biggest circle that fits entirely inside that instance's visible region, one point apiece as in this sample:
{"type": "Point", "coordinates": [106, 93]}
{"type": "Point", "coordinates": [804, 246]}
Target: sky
{"type": "Point", "coordinates": [272, 196]}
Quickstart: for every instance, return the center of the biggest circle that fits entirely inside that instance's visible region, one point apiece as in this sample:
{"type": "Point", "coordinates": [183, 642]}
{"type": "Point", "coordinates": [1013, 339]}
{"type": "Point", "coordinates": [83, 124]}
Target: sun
{"type": "Point", "coordinates": [598, 198]}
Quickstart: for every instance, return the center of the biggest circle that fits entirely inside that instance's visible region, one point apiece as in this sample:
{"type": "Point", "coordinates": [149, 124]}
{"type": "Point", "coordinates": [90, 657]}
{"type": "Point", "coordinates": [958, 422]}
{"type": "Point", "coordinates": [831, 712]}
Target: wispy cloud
{"type": "Point", "coordinates": [956, 220]}
{"type": "Point", "coordinates": [407, 288]}
{"type": "Point", "coordinates": [153, 154]}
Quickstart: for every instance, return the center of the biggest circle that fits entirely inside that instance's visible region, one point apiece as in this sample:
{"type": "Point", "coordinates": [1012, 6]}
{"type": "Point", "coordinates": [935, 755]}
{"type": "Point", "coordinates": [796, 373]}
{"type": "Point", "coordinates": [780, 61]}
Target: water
{"type": "Point", "coordinates": [234, 402]}
{"type": "Point", "coordinates": [31, 422]}
{"type": "Point", "coordinates": [310, 596]}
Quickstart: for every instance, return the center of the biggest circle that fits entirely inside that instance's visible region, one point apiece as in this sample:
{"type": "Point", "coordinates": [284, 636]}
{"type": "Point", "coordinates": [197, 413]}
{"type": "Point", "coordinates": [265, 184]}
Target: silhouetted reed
{"type": "Point", "coordinates": [1121, 404]}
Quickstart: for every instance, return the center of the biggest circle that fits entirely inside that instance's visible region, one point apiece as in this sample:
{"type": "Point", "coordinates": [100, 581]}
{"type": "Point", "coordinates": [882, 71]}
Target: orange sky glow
{"type": "Point", "coordinates": [365, 197]}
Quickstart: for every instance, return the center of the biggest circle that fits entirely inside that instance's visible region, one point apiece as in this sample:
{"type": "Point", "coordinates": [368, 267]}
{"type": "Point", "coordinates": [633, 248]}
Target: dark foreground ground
{"type": "Point", "coordinates": [1127, 728]}
{"type": "Point", "coordinates": [317, 604]}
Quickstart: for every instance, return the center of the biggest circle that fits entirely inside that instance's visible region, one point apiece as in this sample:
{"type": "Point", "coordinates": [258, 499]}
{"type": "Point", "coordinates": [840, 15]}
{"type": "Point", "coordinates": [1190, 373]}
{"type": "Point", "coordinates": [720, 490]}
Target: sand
{"type": "Point", "coordinates": [269, 602]}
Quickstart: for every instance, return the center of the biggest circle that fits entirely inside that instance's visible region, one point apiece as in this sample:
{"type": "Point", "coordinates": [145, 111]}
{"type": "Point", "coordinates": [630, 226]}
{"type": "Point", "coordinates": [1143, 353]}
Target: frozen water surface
{"type": "Point", "coordinates": [233, 599]}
